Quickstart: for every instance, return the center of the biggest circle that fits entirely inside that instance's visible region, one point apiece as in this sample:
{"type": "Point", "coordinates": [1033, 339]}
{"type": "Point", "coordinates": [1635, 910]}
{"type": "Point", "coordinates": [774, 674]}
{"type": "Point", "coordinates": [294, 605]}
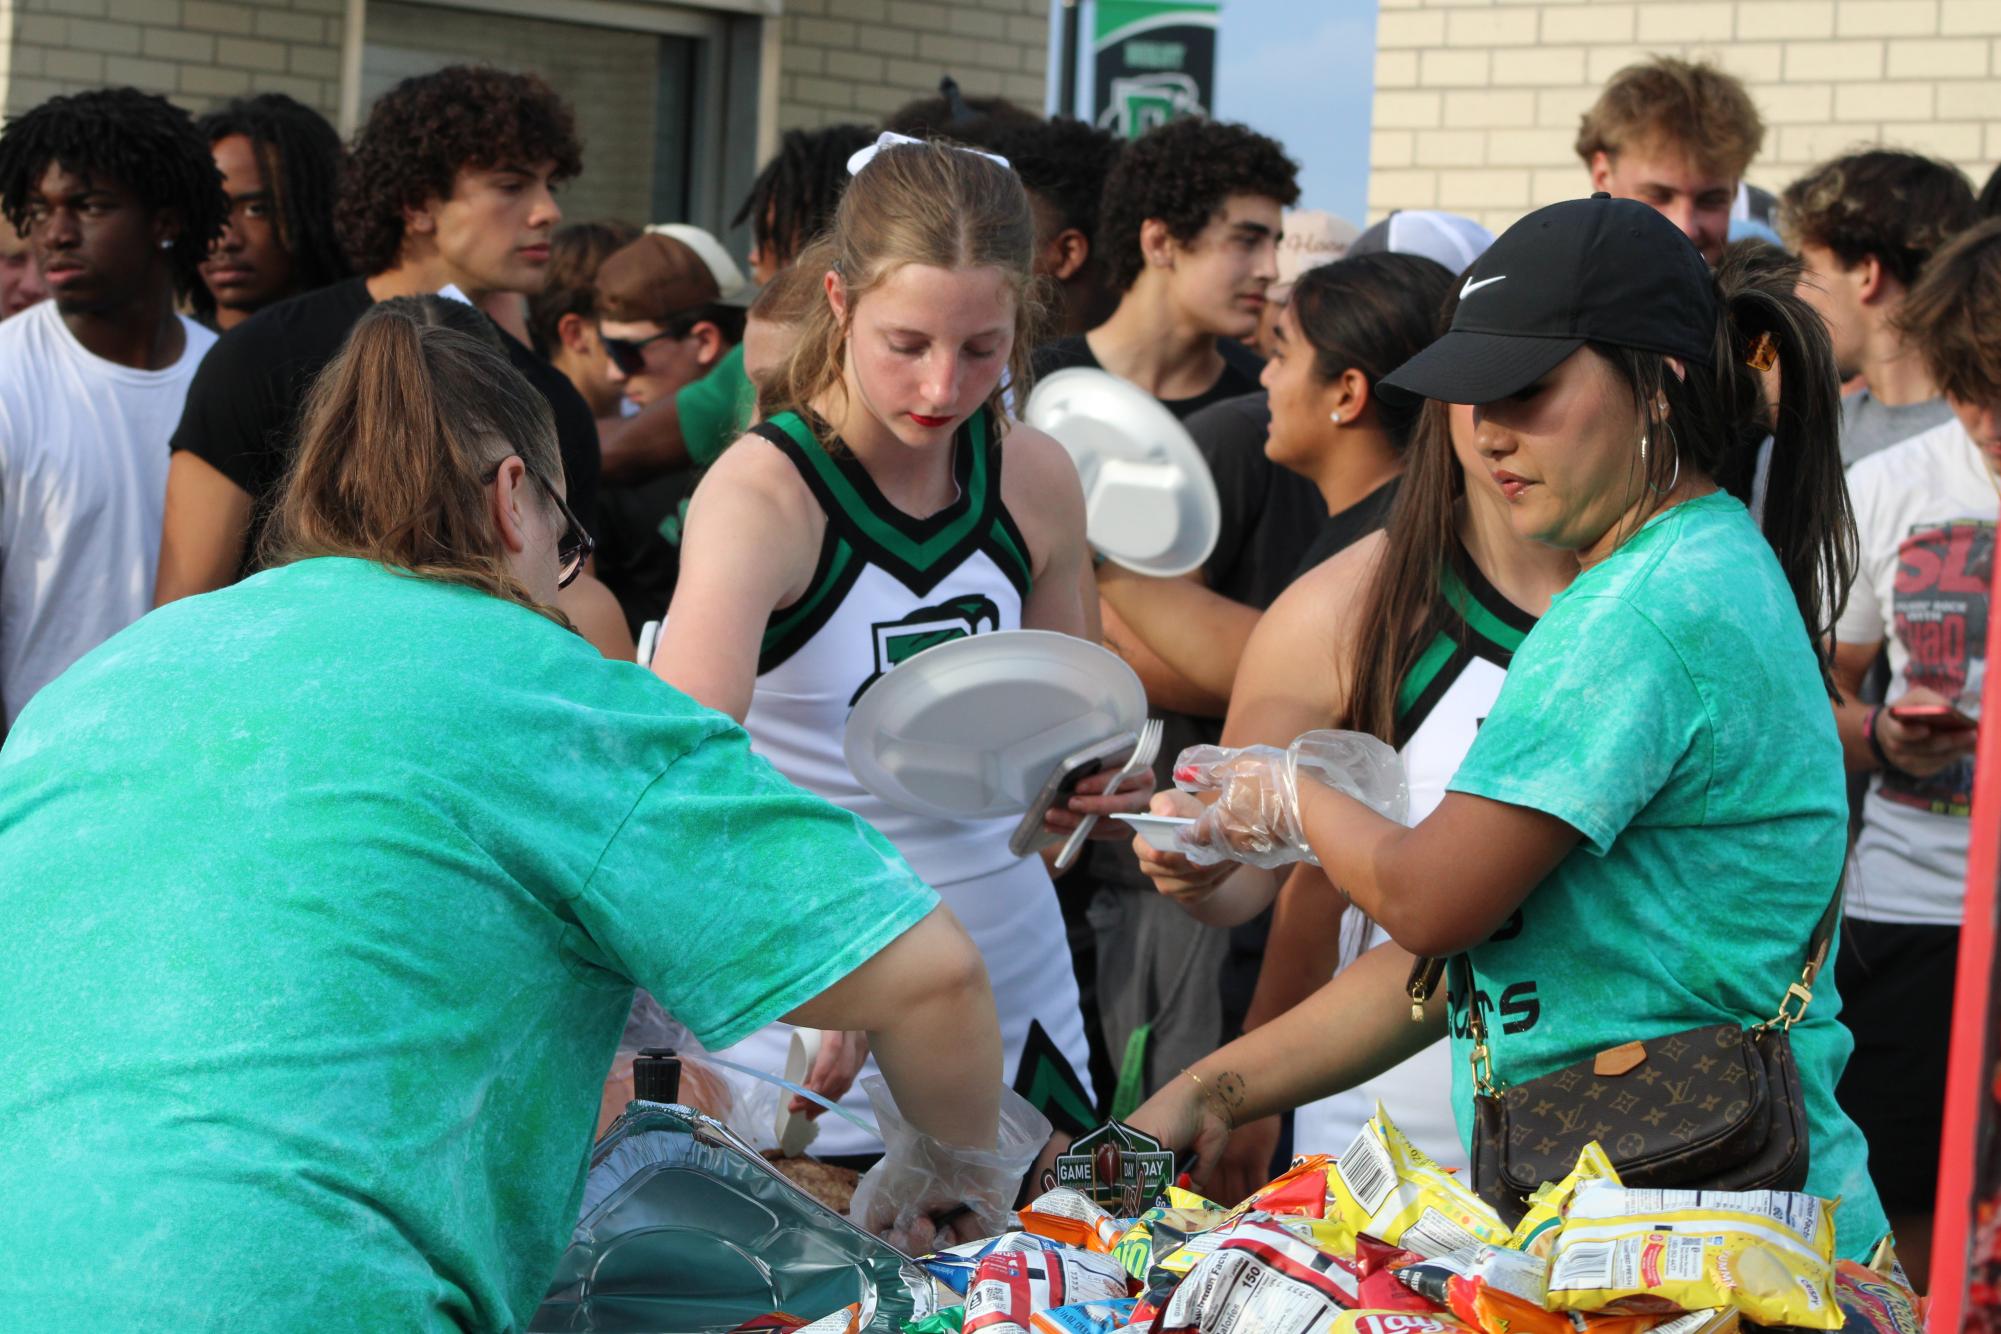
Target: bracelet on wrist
{"type": "Point", "coordinates": [1882, 757]}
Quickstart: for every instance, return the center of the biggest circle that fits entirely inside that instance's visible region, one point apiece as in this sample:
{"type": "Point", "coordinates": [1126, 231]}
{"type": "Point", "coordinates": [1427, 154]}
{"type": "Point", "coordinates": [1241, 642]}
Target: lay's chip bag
{"type": "Point", "coordinates": [1767, 1254]}
{"type": "Point", "coordinates": [1389, 1188]}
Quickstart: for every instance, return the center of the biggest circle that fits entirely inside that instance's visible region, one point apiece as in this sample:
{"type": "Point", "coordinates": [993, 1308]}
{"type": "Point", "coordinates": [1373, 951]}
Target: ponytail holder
{"type": "Point", "coordinates": [888, 139]}
{"type": "Point", "coordinates": [1763, 354]}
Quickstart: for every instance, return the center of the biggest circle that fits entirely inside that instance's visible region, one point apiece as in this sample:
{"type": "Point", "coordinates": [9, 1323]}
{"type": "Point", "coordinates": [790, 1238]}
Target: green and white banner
{"type": "Point", "coordinates": [1155, 60]}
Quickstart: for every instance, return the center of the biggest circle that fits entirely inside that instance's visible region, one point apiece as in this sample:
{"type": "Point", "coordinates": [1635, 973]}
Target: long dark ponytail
{"type": "Point", "coordinates": [1714, 421]}
{"type": "Point", "coordinates": [1403, 612]}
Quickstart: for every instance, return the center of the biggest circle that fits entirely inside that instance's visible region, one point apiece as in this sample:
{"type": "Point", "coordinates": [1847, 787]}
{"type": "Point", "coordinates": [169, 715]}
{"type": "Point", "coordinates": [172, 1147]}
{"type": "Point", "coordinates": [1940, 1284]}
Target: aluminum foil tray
{"type": "Point", "coordinates": [686, 1229]}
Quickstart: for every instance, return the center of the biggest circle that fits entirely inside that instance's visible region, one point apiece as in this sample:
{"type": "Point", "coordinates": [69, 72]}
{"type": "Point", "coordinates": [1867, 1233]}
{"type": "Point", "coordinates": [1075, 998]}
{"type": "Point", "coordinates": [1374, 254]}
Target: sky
{"type": "Point", "coordinates": [1303, 72]}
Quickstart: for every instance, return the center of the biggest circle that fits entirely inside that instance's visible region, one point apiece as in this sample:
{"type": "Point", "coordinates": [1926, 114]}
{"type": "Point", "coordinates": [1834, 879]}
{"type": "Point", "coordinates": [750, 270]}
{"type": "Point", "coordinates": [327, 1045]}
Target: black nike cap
{"type": "Point", "coordinates": [1597, 270]}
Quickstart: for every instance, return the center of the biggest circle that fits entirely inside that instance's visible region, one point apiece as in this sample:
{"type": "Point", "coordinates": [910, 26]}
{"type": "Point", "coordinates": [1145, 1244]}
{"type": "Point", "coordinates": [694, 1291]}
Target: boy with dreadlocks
{"type": "Point", "coordinates": [280, 164]}
{"type": "Point", "coordinates": [119, 199]}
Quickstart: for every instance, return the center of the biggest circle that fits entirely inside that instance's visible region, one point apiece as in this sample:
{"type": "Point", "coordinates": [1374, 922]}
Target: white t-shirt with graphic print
{"type": "Point", "coordinates": [1925, 511]}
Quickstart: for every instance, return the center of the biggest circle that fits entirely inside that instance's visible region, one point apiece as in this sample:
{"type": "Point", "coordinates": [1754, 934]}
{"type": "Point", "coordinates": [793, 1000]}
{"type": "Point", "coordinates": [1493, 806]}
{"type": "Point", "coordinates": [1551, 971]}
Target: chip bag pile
{"type": "Point", "coordinates": [1381, 1240]}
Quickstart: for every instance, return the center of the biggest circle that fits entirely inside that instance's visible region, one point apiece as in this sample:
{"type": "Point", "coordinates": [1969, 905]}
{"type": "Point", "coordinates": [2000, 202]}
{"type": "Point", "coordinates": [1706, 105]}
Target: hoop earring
{"type": "Point", "coordinates": [1673, 479]}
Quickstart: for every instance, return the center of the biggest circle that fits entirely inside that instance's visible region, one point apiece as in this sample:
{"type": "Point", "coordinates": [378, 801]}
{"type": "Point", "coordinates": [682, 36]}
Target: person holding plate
{"type": "Point", "coordinates": [1649, 828]}
{"type": "Point", "coordinates": [886, 488]}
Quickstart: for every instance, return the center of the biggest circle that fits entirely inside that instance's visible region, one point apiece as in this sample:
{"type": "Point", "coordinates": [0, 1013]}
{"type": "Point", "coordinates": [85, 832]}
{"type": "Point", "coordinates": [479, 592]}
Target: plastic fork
{"type": "Point", "coordinates": [1145, 751]}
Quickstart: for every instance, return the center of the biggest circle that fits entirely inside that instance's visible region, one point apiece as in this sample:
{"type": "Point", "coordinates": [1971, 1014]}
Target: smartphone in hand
{"type": "Point", "coordinates": [1062, 784]}
{"type": "Point", "coordinates": [1938, 717]}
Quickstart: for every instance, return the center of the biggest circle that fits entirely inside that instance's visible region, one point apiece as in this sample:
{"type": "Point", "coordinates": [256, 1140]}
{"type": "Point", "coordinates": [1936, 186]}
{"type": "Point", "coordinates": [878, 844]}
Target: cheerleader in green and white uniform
{"type": "Point", "coordinates": [888, 490]}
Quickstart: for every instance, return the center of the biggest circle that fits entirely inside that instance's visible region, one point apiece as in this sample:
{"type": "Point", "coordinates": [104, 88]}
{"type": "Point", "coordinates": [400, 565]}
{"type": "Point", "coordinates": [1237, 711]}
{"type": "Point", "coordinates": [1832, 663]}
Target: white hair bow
{"type": "Point", "coordinates": [890, 139]}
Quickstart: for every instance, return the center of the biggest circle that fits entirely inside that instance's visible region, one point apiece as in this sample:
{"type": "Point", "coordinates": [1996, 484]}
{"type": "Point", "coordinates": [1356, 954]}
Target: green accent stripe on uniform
{"type": "Point", "coordinates": [1009, 554]}
{"type": "Point", "coordinates": [919, 553]}
{"type": "Point", "coordinates": [1478, 617]}
{"type": "Point", "coordinates": [802, 610]}
{"type": "Point", "coordinates": [1422, 672]}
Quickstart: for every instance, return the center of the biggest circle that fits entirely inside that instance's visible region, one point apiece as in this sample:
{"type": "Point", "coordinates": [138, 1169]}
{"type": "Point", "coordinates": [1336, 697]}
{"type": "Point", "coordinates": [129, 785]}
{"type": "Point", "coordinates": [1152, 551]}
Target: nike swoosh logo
{"type": "Point", "coordinates": [1471, 287]}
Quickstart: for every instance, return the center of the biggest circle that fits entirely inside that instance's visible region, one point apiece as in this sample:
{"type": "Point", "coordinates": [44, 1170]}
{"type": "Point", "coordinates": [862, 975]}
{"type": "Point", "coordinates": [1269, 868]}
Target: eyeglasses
{"type": "Point", "coordinates": [576, 544]}
{"type": "Point", "coordinates": [629, 354]}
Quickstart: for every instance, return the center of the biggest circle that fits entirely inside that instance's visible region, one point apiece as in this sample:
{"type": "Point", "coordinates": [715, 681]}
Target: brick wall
{"type": "Point", "coordinates": [1477, 102]}
{"type": "Point", "coordinates": [848, 60]}
{"type": "Point", "coordinates": [198, 52]}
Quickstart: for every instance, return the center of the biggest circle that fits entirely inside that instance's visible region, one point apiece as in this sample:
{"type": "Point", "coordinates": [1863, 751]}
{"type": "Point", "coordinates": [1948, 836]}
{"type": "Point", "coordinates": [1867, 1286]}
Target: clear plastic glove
{"type": "Point", "coordinates": [925, 1193]}
{"type": "Point", "coordinates": [841, 1058]}
{"type": "Point", "coordinates": [1255, 816]}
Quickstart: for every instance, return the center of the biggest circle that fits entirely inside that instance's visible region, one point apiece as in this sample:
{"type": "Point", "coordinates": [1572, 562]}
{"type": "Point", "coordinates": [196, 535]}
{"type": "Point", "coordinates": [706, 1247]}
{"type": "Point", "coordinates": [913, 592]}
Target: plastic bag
{"type": "Point", "coordinates": [919, 1174]}
{"type": "Point", "coordinates": [1256, 815]}
{"type": "Point", "coordinates": [1387, 1187]}
{"type": "Point", "coordinates": [1768, 1254]}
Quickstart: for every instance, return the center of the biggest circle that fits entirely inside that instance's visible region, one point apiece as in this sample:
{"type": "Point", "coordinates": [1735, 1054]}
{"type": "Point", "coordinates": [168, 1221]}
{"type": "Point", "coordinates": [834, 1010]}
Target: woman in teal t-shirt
{"type": "Point", "coordinates": [326, 895]}
{"type": "Point", "coordinates": [1653, 818]}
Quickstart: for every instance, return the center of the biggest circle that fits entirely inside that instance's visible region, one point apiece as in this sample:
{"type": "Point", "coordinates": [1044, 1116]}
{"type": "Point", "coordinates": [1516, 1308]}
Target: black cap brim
{"type": "Point", "coordinates": [1468, 367]}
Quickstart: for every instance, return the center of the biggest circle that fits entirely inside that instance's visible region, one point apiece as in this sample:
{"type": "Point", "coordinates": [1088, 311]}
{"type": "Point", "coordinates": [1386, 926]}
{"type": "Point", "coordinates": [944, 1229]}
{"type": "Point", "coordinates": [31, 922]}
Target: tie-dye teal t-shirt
{"type": "Point", "coordinates": [1669, 708]}
{"type": "Point", "coordinates": [325, 897]}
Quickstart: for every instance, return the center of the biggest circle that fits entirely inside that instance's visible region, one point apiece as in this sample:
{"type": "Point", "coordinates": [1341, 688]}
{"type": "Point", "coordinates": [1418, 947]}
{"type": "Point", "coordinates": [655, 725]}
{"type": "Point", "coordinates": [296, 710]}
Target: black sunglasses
{"type": "Point", "coordinates": [629, 354]}
{"type": "Point", "coordinates": [576, 544]}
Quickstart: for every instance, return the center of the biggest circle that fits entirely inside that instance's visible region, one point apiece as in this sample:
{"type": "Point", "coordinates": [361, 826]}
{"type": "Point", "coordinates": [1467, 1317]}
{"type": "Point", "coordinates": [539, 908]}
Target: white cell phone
{"type": "Point", "coordinates": [1111, 753]}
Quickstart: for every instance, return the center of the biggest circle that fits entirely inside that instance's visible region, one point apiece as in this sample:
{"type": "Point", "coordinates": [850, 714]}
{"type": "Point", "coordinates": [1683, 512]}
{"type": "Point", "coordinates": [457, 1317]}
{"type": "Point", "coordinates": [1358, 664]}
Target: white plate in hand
{"type": "Point", "coordinates": [1149, 501]}
{"type": "Point", "coordinates": [971, 728]}
{"type": "Point", "coordinates": [1158, 830]}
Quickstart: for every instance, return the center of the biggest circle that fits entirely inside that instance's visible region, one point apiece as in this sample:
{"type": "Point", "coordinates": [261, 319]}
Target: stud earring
{"type": "Point", "coordinates": [1334, 417]}
{"type": "Point", "coordinates": [167, 244]}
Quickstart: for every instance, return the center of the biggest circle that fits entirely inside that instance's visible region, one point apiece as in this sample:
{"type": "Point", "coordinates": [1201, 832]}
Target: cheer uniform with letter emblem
{"type": "Point", "coordinates": [886, 587]}
{"type": "Point", "coordinates": [1440, 706]}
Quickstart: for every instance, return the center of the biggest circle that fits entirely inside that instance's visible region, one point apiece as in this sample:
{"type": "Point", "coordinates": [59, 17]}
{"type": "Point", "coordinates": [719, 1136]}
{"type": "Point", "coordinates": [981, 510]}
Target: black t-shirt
{"type": "Point", "coordinates": [1270, 514]}
{"type": "Point", "coordinates": [1240, 371]}
{"type": "Point", "coordinates": [242, 411]}
{"type": "Point", "coordinates": [1340, 531]}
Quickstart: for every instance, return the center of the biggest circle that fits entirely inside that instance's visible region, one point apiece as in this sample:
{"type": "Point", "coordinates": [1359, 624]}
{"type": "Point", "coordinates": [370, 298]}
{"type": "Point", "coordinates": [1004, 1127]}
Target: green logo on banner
{"type": "Point", "coordinates": [1154, 60]}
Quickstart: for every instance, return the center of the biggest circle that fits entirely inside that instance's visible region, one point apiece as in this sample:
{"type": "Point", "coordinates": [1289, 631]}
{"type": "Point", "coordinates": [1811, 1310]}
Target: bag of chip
{"type": "Point", "coordinates": [1767, 1254]}
{"type": "Point", "coordinates": [1083, 1318]}
{"type": "Point", "coordinates": [1387, 1187]}
{"type": "Point", "coordinates": [1261, 1278]}
{"type": "Point", "coordinates": [955, 1266]}
{"type": "Point", "coordinates": [850, 1319]}
{"type": "Point", "coordinates": [1160, 1232]}
{"type": "Point", "coordinates": [1392, 1322]}
{"type": "Point", "coordinates": [1010, 1287]}
{"type": "Point", "coordinates": [1329, 1235]}
{"type": "Point", "coordinates": [945, 1320]}
{"type": "Point", "coordinates": [1073, 1218]}
{"type": "Point", "coordinates": [1873, 1303]}
{"type": "Point", "coordinates": [1536, 1233]}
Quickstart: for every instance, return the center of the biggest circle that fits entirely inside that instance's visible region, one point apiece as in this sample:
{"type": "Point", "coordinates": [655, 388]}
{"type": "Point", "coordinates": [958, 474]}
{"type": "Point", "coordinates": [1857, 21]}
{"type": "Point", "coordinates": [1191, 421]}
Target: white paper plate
{"type": "Point", "coordinates": [795, 1130]}
{"type": "Point", "coordinates": [1158, 830]}
{"type": "Point", "coordinates": [972, 728]}
{"type": "Point", "coordinates": [1149, 501]}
